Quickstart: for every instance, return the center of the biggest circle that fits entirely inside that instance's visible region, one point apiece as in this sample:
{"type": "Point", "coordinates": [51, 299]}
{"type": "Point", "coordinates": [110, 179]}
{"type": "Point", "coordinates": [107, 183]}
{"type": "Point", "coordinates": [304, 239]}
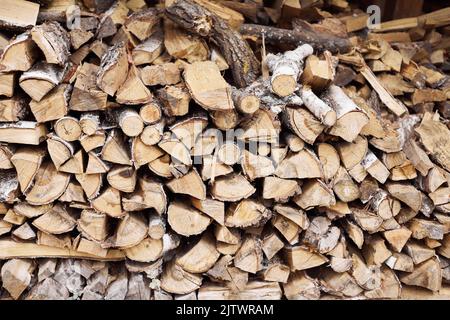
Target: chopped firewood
{"type": "Point", "coordinates": [280, 189]}
{"type": "Point", "coordinates": [435, 137]}
{"type": "Point", "coordinates": [86, 96]}
{"type": "Point", "coordinates": [190, 184]}
{"type": "Point", "coordinates": [22, 132]}
{"type": "Point", "coordinates": [213, 208]}
{"type": "Point", "coordinates": [301, 258]}
{"type": "Point", "coordinates": [148, 194]}
{"type": "Point", "coordinates": [142, 23]}
{"type": "Point", "coordinates": [113, 69]}
{"type": "Point", "coordinates": [176, 280]}
{"type": "Point", "coordinates": [207, 86]}
{"type": "Point", "coordinates": [109, 202]}
{"type": "Point", "coordinates": [175, 99]}
{"type": "Point", "coordinates": [185, 220]}
{"type": "Point", "coordinates": [52, 106]}
{"type": "Point", "coordinates": [201, 257]}
{"type": "Point", "coordinates": [246, 213]}
{"type": "Point", "coordinates": [19, 55]}
{"type": "Point", "coordinates": [54, 42]}
{"type": "Point", "coordinates": [133, 91]}
{"type": "Point", "coordinates": [148, 50]}
{"type": "Point", "coordinates": [427, 274]}
{"type": "Point", "coordinates": [148, 250]}
{"type": "Point", "coordinates": [231, 188]}
{"type": "Point", "coordinates": [249, 256]}
{"type": "Point", "coordinates": [49, 184]}
{"type": "Point", "coordinates": [27, 161]}
{"type": "Point", "coordinates": [16, 276]}
{"type": "Point", "coordinates": [12, 109]}
{"type": "Point", "coordinates": [115, 150]}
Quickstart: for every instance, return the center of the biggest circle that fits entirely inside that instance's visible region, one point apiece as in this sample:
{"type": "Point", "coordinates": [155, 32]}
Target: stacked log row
{"type": "Point", "coordinates": [174, 151]}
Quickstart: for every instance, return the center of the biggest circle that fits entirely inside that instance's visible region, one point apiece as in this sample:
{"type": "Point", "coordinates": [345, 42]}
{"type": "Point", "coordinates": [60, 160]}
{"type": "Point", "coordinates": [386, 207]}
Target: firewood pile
{"type": "Point", "coordinates": [196, 149]}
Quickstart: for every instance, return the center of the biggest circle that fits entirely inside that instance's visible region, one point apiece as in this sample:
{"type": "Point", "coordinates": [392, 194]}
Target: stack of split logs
{"type": "Point", "coordinates": [196, 149]}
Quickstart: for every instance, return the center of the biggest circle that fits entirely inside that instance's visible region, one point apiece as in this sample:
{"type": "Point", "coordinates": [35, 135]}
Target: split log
{"type": "Point", "coordinates": [19, 55]}
{"type": "Point", "coordinates": [53, 40]}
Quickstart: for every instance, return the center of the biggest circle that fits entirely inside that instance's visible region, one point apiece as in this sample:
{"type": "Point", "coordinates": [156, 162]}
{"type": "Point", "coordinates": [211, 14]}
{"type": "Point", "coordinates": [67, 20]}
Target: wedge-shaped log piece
{"type": "Point", "coordinates": [340, 284]}
{"type": "Point", "coordinates": [287, 228]}
{"type": "Point", "coordinates": [177, 150]}
{"type": "Point", "coordinates": [20, 54]}
{"type": "Point", "coordinates": [418, 157]}
{"type": "Point", "coordinates": [368, 221]}
{"type": "Point", "coordinates": [300, 165]}
{"type": "Point", "coordinates": [113, 69]}
{"type": "Point", "coordinates": [329, 158]}
{"type": "Point", "coordinates": [30, 211]}
{"type": "Point", "coordinates": [280, 189]}
{"type": "Point", "coordinates": [131, 230]}
{"type": "Point", "coordinates": [344, 187]}
{"type": "Point", "coordinates": [397, 238]}
{"type": "Point", "coordinates": [213, 208]}
{"type": "Point", "coordinates": [23, 132]}
{"type": "Point", "coordinates": [435, 136]}
{"type": "Point", "coordinates": [91, 184]}
{"type": "Point", "coordinates": [321, 235]}
{"type": "Point", "coordinates": [148, 250]}
{"type": "Point", "coordinates": [350, 119]}
{"type": "Point", "coordinates": [418, 251]}
{"type": "Point", "coordinates": [301, 258]}
{"type": "Point", "coordinates": [232, 188]}
{"type": "Point", "coordinates": [53, 40]}
{"type": "Point", "coordinates": [27, 161]}
{"type": "Point", "coordinates": [189, 129]}
{"type": "Point", "coordinates": [352, 153]}
{"type": "Point", "coordinates": [354, 232]}
{"type": "Point", "coordinates": [375, 251]}
{"type": "Point", "coordinates": [303, 123]}
{"type": "Point", "coordinates": [201, 257]}
{"type": "Point", "coordinates": [95, 164]}
{"type": "Point", "coordinates": [301, 287]}
{"type": "Point", "coordinates": [249, 257]}
{"type": "Point", "coordinates": [109, 202]}
{"type": "Point", "coordinates": [207, 86]}
{"type": "Point", "coordinates": [133, 91]}
{"type": "Point", "coordinates": [53, 106]}
{"type": "Point", "coordinates": [86, 96]}
{"type": "Point", "coordinates": [93, 225]}
{"type": "Point", "coordinates": [375, 167]}
{"type": "Point", "coordinates": [296, 215]}
{"type": "Point", "coordinates": [175, 280]}
{"type": "Point", "coordinates": [246, 213]}
{"type": "Point", "coordinates": [422, 228]}
{"type": "Point", "coordinates": [14, 109]}
{"type": "Point", "coordinates": [142, 24]}
{"type": "Point", "coordinates": [163, 74]}
{"type": "Point", "coordinates": [115, 149]}
{"type": "Point", "coordinates": [74, 165]}
{"type": "Point", "coordinates": [190, 184]}
{"type": "Point", "coordinates": [16, 275]}
{"type": "Point", "coordinates": [256, 166]}
{"type": "Point", "coordinates": [148, 50]}
{"type": "Point", "coordinates": [428, 275]}
{"type": "Point", "coordinates": [123, 178]}
{"type": "Point", "coordinates": [406, 194]}
{"type": "Point", "coordinates": [143, 154]}
{"type": "Point", "coordinates": [315, 193]}
{"type": "Point", "coordinates": [40, 79]}
{"type": "Point", "coordinates": [211, 168]}
{"type": "Point", "coordinates": [262, 126]}
{"type": "Point", "coordinates": [58, 220]}
{"type": "Point", "coordinates": [49, 184]}
{"type": "Point", "coordinates": [149, 194]}
{"type": "Point", "coordinates": [186, 220]}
